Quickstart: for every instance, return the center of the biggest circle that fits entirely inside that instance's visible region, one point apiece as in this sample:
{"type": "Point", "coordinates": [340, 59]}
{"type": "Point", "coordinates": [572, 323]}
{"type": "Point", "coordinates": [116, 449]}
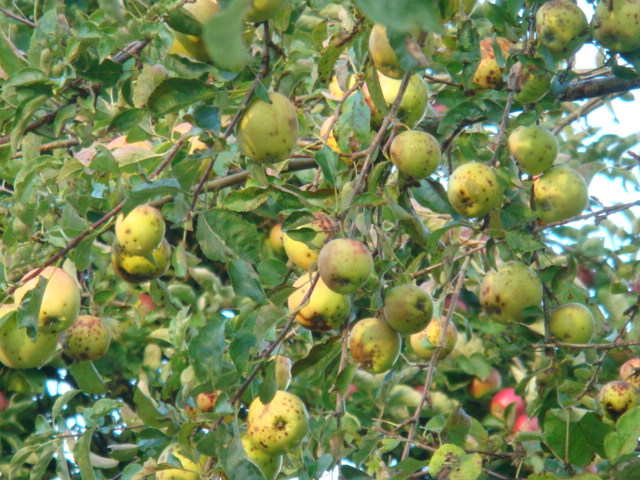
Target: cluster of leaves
{"type": "Point", "coordinates": [85, 72]}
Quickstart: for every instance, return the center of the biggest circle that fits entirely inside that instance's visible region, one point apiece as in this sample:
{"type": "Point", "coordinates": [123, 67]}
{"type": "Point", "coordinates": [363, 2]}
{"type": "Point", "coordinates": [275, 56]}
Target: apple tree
{"type": "Point", "coordinates": [259, 239]}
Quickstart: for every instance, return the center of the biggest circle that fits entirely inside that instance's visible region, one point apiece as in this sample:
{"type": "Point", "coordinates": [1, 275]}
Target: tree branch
{"type": "Point", "coordinates": [597, 87]}
{"type": "Point", "coordinates": [10, 14]}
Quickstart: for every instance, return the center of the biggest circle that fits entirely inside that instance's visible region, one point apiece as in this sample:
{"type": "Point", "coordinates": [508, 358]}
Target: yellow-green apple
{"type": "Point", "coordinates": [616, 25]}
{"type": "Point", "coordinates": [532, 84]}
{"type": "Point", "coordinates": [414, 101]}
{"type": "Point", "coordinates": [205, 402]}
{"type": "Point", "coordinates": [270, 465]}
{"type": "Point", "coordinates": [86, 339]}
{"type": "Point", "coordinates": [17, 350]}
{"type": "Point", "coordinates": [268, 132]}
{"type": "Point", "coordinates": [263, 10]}
{"type": "Point", "coordinates": [630, 372]}
{"type": "Point", "coordinates": [201, 10]}
{"type": "Point", "coordinates": [137, 268]}
{"type": "Point", "coordinates": [283, 371]}
{"type": "Point", "coordinates": [383, 55]}
{"type": "Point", "coordinates": [425, 342]}
{"type": "Point", "coordinates": [560, 193]}
{"type": "Point", "coordinates": [617, 397]}
{"type": "Point", "coordinates": [501, 401]}
{"type": "Point", "coordinates": [534, 148]}
{"type": "Point", "coordinates": [407, 308]}
{"type": "Point", "coordinates": [374, 345]}
{"type": "Point", "coordinates": [305, 254]}
{"type": "Point", "coordinates": [489, 72]}
{"type": "Point", "coordinates": [415, 153]}
{"type": "Point", "coordinates": [561, 27]}
{"type": "Point", "coordinates": [344, 264]}
{"type": "Point", "coordinates": [474, 189]}
{"type": "Point", "coordinates": [141, 231]}
{"type": "Point", "coordinates": [275, 238]}
{"type": "Point", "coordinates": [324, 310]}
{"type": "Point", "coordinates": [189, 46]}
{"type": "Point", "coordinates": [336, 90]}
{"type": "Point", "coordinates": [572, 323]}
{"type": "Point", "coordinates": [526, 424]}
{"type": "Point", "coordinates": [278, 426]}
{"type": "Point", "coordinates": [189, 470]}
{"type": "Point", "coordinates": [479, 388]}
{"type": "Point", "coordinates": [506, 292]}
{"type": "Point", "coordinates": [152, 356]}
{"type": "Point", "coordinates": [60, 301]}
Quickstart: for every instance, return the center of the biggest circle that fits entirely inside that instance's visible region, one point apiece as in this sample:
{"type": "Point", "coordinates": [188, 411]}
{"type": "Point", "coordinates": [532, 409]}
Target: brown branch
{"type": "Point", "coordinates": [445, 262]}
{"type": "Point", "coordinates": [602, 212]}
{"type": "Point", "coordinates": [587, 346]}
{"type": "Point", "coordinates": [583, 110]}
{"type": "Point", "coordinates": [597, 87]}
{"type": "Point", "coordinates": [47, 147]}
{"type": "Point", "coordinates": [15, 16]}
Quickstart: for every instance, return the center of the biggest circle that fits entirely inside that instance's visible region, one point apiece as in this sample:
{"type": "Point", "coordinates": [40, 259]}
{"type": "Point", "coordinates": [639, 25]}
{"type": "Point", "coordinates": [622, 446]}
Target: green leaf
{"type": "Point", "coordinates": [345, 378]}
{"type": "Point", "coordinates": [269, 386]}
{"type": "Point", "coordinates": [452, 459]}
{"type": "Point", "coordinates": [235, 462]}
{"type": "Point", "coordinates": [81, 452]}
{"type": "Point", "coordinates": [245, 200]}
{"type": "Point", "coordinates": [209, 241]}
{"type": "Point", "coordinates": [207, 118]}
{"type": "Point", "coordinates": [174, 94]}
{"type": "Point", "coordinates": [321, 351]}
{"type": "Point", "coordinates": [521, 241]}
{"type": "Point", "coordinates": [87, 377]}
{"type": "Point", "coordinates": [61, 401]}
{"type": "Point", "coordinates": [404, 15]}
{"type": "Point", "coordinates": [206, 350]}
{"type": "Point", "coordinates": [222, 36]}
{"type": "Point", "coordinates": [10, 60]}
{"type": "Point", "coordinates": [245, 281]}
{"type": "Point", "coordinates": [128, 119]}
{"type": "Point", "coordinates": [624, 439]}
{"type": "Point", "coordinates": [29, 310]}
{"type": "Point", "coordinates": [148, 191]}
{"type": "Point", "coordinates": [226, 235]}
{"type": "Point", "coordinates": [431, 194]}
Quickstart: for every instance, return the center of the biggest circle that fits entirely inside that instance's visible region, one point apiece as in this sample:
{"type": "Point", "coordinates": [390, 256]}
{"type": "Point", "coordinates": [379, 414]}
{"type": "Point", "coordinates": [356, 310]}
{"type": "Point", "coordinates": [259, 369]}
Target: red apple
{"type": "Point", "coordinates": [526, 424]}
{"type": "Point", "coordinates": [479, 388]}
{"type": "Point", "coordinates": [503, 399]}
{"type": "Point", "coordinates": [146, 303]}
{"type": "Point", "coordinates": [206, 401]}
{"type": "Point", "coordinates": [3, 402]}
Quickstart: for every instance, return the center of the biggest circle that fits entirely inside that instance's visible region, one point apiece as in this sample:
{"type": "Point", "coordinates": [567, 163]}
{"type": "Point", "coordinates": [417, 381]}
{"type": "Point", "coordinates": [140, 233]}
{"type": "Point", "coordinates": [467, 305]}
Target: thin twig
{"type": "Point", "coordinates": [15, 16]}
{"type": "Point", "coordinates": [602, 212]}
{"type": "Point", "coordinates": [47, 147]}
{"type": "Point", "coordinates": [587, 346]}
{"type": "Point", "coordinates": [583, 110]}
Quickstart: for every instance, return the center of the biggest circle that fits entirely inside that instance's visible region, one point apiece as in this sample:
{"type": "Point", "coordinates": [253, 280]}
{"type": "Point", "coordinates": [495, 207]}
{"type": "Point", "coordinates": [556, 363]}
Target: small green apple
{"type": "Point", "coordinates": [141, 231]}
{"type": "Point", "coordinates": [374, 345]}
{"type": "Point", "coordinates": [269, 464]}
{"type": "Point", "coordinates": [562, 27]}
{"type": "Point", "coordinates": [616, 25]}
{"type": "Point", "coordinates": [407, 308]}
{"type": "Point", "coordinates": [283, 371]}
{"type": "Point", "coordinates": [86, 339]}
{"type": "Point", "coordinates": [532, 85]}
{"type": "Point", "coordinates": [572, 323]}
{"type": "Point", "coordinates": [384, 56]}
{"type": "Point", "coordinates": [616, 398]}
{"type": "Point", "coordinates": [534, 148]}
{"type": "Point", "coordinates": [415, 153]}
{"type": "Point", "coordinates": [414, 101]}
{"type": "Point", "coordinates": [474, 189]}
{"type": "Point", "coordinates": [424, 343]}
{"type": "Point", "coordinates": [345, 264]}
{"type": "Point", "coordinates": [560, 193]}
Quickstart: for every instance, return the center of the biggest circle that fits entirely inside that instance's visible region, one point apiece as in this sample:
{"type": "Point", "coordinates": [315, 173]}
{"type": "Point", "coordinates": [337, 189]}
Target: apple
{"type": "Point", "coordinates": [407, 308]}
{"type": "Point", "coordinates": [534, 148]}
{"type": "Point", "coordinates": [146, 303]}
{"type": "Point", "coordinates": [270, 465]}
{"type": "Point", "coordinates": [137, 268]}
{"type": "Point", "coordinates": [424, 343]}
{"type": "Point", "coordinates": [188, 46]}
{"type": "Point", "coordinates": [189, 471]}
{"type": "Point", "coordinates": [268, 132]}
{"type": "Point", "coordinates": [560, 193]}
{"type": "Point", "coordinates": [263, 10]}
{"type": "Point", "coordinates": [474, 189]}
{"type": "Point", "coordinates": [336, 90]}
{"type": "Point", "coordinates": [4, 403]}
{"type": "Point", "coordinates": [617, 397]}
{"type": "Point", "coordinates": [195, 143]}
{"type": "Point", "coordinates": [305, 254]}
{"type": "Point", "coordinates": [572, 323]}
{"type": "Point", "coordinates": [121, 142]}
{"type": "Point", "coordinates": [526, 424]}
{"type": "Point", "coordinates": [415, 153]}
{"type": "Point", "coordinates": [616, 25]}
{"type": "Point", "coordinates": [141, 231]}
{"type": "Point", "coordinates": [344, 264]}
{"type": "Point", "coordinates": [275, 238]}
{"type": "Point", "coordinates": [152, 356]}
{"type": "Point", "coordinates": [506, 292]}
{"type": "Point", "coordinates": [278, 426]}
{"type": "Point", "coordinates": [205, 402]}
{"type": "Point", "coordinates": [489, 73]}
{"type": "Point", "coordinates": [561, 27]}
{"type": "Point", "coordinates": [201, 10]}
{"type": "Point", "coordinates": [384, 56]}
{"type": "Point", "coordinates": [374, 345]}
{"type": "Point", "coordinates": [532, 85]}
{"type": "Point", "coordinates": [413, 104]}
{"type": "Point", "coordinates": [479, 388]}
{"type": "Point", "coordinates": [86, 339]}
{"type": "Point", "coordinates": [325, 309]}
{"type": "Point", "coordinates": [60, 302]}
{"type": "Point", "coordinates": [503, 399]}
{"type": "Point", "coordinates": [630, 372]}
{"type": "Point", "coordinates": [283, 371]}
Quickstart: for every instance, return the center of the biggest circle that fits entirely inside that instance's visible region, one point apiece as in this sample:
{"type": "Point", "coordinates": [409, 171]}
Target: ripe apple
{"type": "Point", "coordinates": [630, 372]}
{"type": "Point", "coordinates": [413, 104]}
{"type": "Point", "coordinates": [201, 10]}
{"type": "Point", "coordinates": [616, 25]}
{"type": "Point", "coordinates": [263, 10]}
{"type": "Point", "coordinates": [86, 339]}
{"type": "Point", "coordinates": [275, 238]}
{"type": "Point", "coordinates": [325, 309]}
{"type": "Point", "coordinates": [17, 350]}
{"type": "Point", "coordinates": [562, 27]}
{"type": "Point", "coordinates": [146, 303]}
{"type": "Point", "coordinates": [189, 46]}
{"type": "Point", "coordinates": [415, 153]}
{"type": "Point", "coordinates": [270, 465]}
{"type": "Point", "coordinates": [560, 193]}
{"type": "Point", "coordinates": [121, 142]}
{"type": "Point", "coordinates": [384, 56]}
{"type": "Point", "coordinates": [374, 345]}
{"type": "Point", "coordinates": [278, 426]}
{"type": "Point", "coordinates": [268, 132]}
{"type": "Point", "coordinates": [503, 399]}
{"type": "Point", "coordinates": [616, 397]}
{"type": "Point", "coordinates": [60, 302]}
{"type": "Point", "coordinates": [506, 292]}
{"type": "Point", "coordinates": [532, 84]}
{"type": "Point", "coordinates": [572, 323]}
{"type": "Point", "coordinates": [534, 148]}
{"type": "Point", "coordinates": [474, 189]}
{"type": "Point", "coordinates": [344, 264]}
{"type": "Point", "coordinates": [305, 254]}
{"type": "Point", "coordinates": [283, 371]}
{"type": "Point", "coordinates": [526, 424]}
{"type": "Point", "coordinates": [479, 388]}
{"type": "Point", "coordinates": [407, 308]}
{"type": "Point", "coordinates": [189, 471]}
{"type": "Point", "coordinates": [205, 402]}
{"type": "Point", "coordinates": [424, 343]}
{"type": "Point", "coordinates": [336, 90]}
{"type": "Point", "coordinates": [141, 231]}
{"type": "Point", "coordinates": [137, 268]}
{"type": "Point", "coordinates": [489, 73]}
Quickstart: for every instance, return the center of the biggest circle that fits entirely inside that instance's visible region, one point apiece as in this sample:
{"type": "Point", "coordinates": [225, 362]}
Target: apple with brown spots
{"type": "Point", "coordinates": [630, 372]}
{"type": "Point", "coordinates": [305, 254]}
{"type": "Point", "coordinates": [141, 231]}
{"type": "Point", "coordinates": [345, 265]}
{"type": "Point", "coordinates": [474, 189]}
{"type": "Point", "coordinates": [617, 397]}
{"type": "Point", "coordinates": [374, 345]}
{"type": "Point", "coordinates": [407, 308]}
{"type": "Point", "coordinates": [572, 323]}
{"type": "Point", "coordinates": [86, 339]}
{"type": "Point", "coordinates": [424, 343]}
{"type": "Point", "coordinates": [138, 268]}
{"type": "Point", "coordinates": [269, 464]}
{"type": "Point", "coordinates": [415, 153]}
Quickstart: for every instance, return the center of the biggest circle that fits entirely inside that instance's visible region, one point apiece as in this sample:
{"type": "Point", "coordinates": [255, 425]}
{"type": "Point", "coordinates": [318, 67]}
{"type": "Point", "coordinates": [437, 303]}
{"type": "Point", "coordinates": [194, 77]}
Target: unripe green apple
{"type": "Point", "coordinates": [415, 153]}
{"type": "Point", "coordinates": [615, 398]}
{"type": "Point", "coordinates": [479, 388]}
{"type": "Point", "coordinates": [278, 426]}
{"type": "Point", "coordinates": [17, 350]}
{"type": "Point", "coordinates": [283, 371]}
{"type": "Point", "coordinates": [268, 132]}
{"type": "Point", "coordinates": [616, 25]}
{"type": "Point", "coordinates": [474, 189]}
{"type": "Point", "coordinates": [560, 193]}
{"type": "Point", "coordinates": [562, 27]}
{"type": "Point", "coordinates": [270, 465]}
{"type": "Point", "coordinates": [345, 264]}
{"type": "Point", "coordinates": [141, 232]}
{"type": "Point", "coordinates": [630, 372]}
{"type": "Point", "coordinates": [489, 73]}
{"type": "Point", "coordinates": [189, 471]}
{"type": "Point", "coordinates": [407, 308]}
{"type": "Point", "coordinates": [305, 254]}
{"type": "Point", "coordinates": [506, 292]}
{"type": "Point", "coordinates": [374, 345]}
{"type": "Point", "coordinates": [534, 148]}
{"type": "Point", "coordinates": [532, 85]}
{"type": "Point", "coordinates": [60, 302]}
{"type": "Point", "coordinates": [138, 269]}
{"type": "Point", "coordinates": [425, 342]}
{"type": "Point", "coordinates": [324, 310]}
{"type": "Point", "coordinates": [86, 339]}
{"type": "Point", "coordinates": [414, 101]}
{"type": "Point", "coordinates": [572, 323]}
{"type": "Point", "coordinates": [384, 56]}
{"type": "Point", "coordinates": [263, 10]}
